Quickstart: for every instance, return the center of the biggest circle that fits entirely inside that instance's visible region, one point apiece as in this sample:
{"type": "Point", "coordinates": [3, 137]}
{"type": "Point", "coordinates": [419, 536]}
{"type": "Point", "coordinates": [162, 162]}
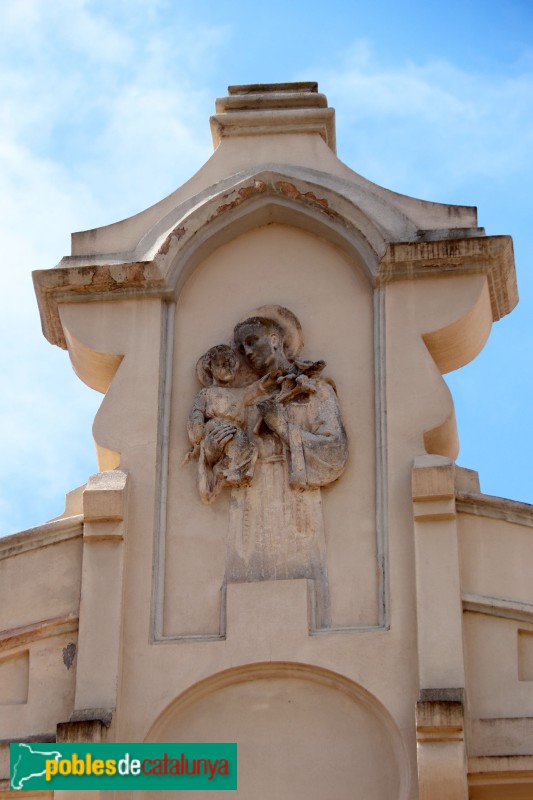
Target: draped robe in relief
{"type": "Point", "coordinates": [276, 525]}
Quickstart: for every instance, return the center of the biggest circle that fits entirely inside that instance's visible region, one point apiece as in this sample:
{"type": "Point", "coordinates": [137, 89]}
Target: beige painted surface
{"type": "Point", "coordinates": [314, 735]}
{"type": "Point", "coordinates": [53, 590]}
{"type": "Point", "coordinates": [496, 558]}
{"type": "Point", "coordinates": [50, 689]}
{"type": "Point", "coordinates": [431, 583]}
{"type": "Point", "coordinates": [495, 691]}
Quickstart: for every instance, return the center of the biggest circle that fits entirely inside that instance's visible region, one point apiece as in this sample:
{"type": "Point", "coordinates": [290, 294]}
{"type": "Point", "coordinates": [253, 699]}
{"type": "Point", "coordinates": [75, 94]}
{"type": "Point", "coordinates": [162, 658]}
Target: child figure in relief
{"type": "Point", "coordinates": [226, 456]}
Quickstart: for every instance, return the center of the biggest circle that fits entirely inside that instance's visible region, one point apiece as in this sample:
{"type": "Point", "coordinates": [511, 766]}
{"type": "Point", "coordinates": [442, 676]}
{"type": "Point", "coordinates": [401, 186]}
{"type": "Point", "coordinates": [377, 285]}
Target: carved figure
{"type": "Point", "coordinates": [225, 453]}
{"type": "Point", "coordinates": [288, 422]}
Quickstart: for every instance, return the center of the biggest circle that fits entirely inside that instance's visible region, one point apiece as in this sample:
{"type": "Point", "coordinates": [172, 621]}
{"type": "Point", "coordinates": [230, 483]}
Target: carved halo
{"type": "Point", "coordinates": [288, 322]}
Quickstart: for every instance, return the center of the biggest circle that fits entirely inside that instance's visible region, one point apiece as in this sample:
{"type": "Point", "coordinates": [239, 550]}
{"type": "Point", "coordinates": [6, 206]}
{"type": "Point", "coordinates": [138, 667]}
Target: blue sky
{"type": "Point", "coordinates": [104, 110]}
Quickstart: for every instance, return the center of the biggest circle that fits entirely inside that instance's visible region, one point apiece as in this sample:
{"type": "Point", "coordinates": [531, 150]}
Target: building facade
{"type": "Point", "coordinates": [279, 549]}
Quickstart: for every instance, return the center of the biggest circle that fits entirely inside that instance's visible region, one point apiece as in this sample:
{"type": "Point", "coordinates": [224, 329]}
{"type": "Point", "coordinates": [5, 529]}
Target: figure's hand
{"type": "Point", "coordinates": [217, 439]}
{"type": "Point", "coordinates": [196, 432]}
{"type": "Point", "coordinates": [273, 415]}
{"type": "Point", "coordinates": [269, 380]}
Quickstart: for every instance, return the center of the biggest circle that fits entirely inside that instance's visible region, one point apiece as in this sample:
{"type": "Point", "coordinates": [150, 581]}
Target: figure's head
{"type": "Point", "coordinates": [221, 364]}
{"type": "Point", "coordinates": [260, 340]}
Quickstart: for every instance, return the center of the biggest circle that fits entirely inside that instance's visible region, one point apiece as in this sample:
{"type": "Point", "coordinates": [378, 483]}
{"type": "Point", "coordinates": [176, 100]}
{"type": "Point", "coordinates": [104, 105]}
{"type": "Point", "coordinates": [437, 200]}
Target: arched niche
{"type": "Point", "coordinates": [188, 235]}
{"type": "Point", "coordinates": [329, 290]}
{"type": "Point", "coordinates": [301, 732]}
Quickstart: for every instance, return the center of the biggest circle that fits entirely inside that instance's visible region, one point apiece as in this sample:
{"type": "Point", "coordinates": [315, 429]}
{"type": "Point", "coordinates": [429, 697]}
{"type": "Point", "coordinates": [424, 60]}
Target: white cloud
{"type": "Point", "coordinates": [466, 125]}
{"type": "Point", "coordinates": [97, 120]}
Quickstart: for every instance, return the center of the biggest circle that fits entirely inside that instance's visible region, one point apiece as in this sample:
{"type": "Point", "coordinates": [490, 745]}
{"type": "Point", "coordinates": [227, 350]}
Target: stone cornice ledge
{"type": "Point", "coordinates": [498, 607]}
{"type": "Point", "coordinates": [494, 770]}
{"type": "Point", "coordinates": [53, 532]}
{"type": "Point", "coordinates": [486, 505]}
{"type": "Point", "coordinates": [96, 281]}
{"type": "Point", "coordinates": [43, 629]}
{"type": "Point", "coordinates": [486, 255]}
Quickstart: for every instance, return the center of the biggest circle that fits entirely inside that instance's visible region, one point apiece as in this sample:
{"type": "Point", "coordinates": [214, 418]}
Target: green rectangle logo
{"type": "Point", "coordinates": [123, 766]}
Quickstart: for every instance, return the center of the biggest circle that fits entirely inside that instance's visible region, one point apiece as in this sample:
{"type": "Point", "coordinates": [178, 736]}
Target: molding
{"type": "Point", "coordinates": [43, 738]}
{"type": "Point", "coordinates": [380, 423]}
{"type": "Point", "coordinates": [275, 121]}
{"type": "Point", "coordinates": [273, 108]}
{"type": "Point", "coordinates": [499, 769]}
{"type": "Point", "coordinates": [163, 438]}
{"type": "Point", "coordinates": [339, 211]}
{"type": "Point", "coordinates": [59, 284]}
{"type": "Point", "coordinates": [56, 626]}
{"type": "Point", "coordinates": [486, 255]}
{"type": "Point", "coordinates": [53, 532]}
{"type": "Point", "coordinates": [204, 222]}
{"type": "Point", "coordinates": [486, 505]}
{"type": "Point", "coordinates": [498, 607]}
{"type": "Point", "coordinates": [239, 99]}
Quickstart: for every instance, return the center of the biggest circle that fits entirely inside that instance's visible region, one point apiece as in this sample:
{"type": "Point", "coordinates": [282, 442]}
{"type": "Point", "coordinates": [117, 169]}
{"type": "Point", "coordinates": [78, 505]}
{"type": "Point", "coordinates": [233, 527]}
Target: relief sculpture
{"type": "Point", "coordinates": [267, 425]}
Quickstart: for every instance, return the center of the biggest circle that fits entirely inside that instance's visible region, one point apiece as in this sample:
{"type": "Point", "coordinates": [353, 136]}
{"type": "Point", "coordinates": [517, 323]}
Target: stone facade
{"type": "Point", "coordinates": [279, 548]}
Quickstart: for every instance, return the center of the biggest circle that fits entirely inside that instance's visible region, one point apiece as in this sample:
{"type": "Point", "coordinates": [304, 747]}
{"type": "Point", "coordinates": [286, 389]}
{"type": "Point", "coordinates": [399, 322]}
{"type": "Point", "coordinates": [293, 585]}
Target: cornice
{"type": "Point", "coordinates": [53, 532]}
{"type": "Point", "coordinates": [56, 626]}
{"type": "Point", "coordinates": [498, 607]}
{"type": "Point", "coordinates": [487, 255]}
{"type": "Point", "coordinates": [485, 505]}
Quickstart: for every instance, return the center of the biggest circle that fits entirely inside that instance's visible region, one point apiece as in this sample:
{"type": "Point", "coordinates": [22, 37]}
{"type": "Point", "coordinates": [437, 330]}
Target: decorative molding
{"type": "Point", "coordinates": [43, 738]}
{"type": "Point", "coordinates": [327, 211]}
{"type": "Point", "coordinates": [105, 506]}
{"type": "Point", "coordinates": [432, 484]}
{"type": "Point", "coordinates": [499, 769]}
{"type": "Point", "coordinates": [498, 607]}
{"type": "Point", "coordinates": [486, 255]}
{"type": "Point", "coordinates": [275, 121]}
{"type": "Point", "coordinates": [60, 284]}
{"type": "Point", "coordinates": [380, 423]}
{"type": "Point", "coordinates": [439, 721]}
{"type": "Point", "coordinates": [53, 532]}
{"type": "Point", "coordinates": [340, 214]}
{"type": "Point", "coordinates": [163, 439]}
{"type": "Point", "coordinates": [273, 108]}
{"type": "Point", "coordinates": [485, 505]}
{"type": "Point", "coordinates": [56, 626]}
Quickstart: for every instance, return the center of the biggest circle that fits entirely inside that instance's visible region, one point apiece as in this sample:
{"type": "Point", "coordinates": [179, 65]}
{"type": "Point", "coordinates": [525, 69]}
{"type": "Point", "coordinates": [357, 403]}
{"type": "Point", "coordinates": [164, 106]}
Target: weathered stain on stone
{"type": "Point", "coordinates": [258, 187]}
{"type": "Point", "coordinates": [177, 233]}
{"type": "Point", "coordinates": [69, 654]}
{"type": "Point", "coordinates": [135, 274]}
{"type": "Point", "coordinates": [284, 187]}
{"type": "Point", "coordinates": [104, 278]}
{"type": "Point", "coordinates": [91, 730]}
{"type": "Point", "coordinates": [290, 190]}
{"type": "Point", "coordinates": [247, 191]}
{"type": "Point", "coordinates": [320, 200]}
